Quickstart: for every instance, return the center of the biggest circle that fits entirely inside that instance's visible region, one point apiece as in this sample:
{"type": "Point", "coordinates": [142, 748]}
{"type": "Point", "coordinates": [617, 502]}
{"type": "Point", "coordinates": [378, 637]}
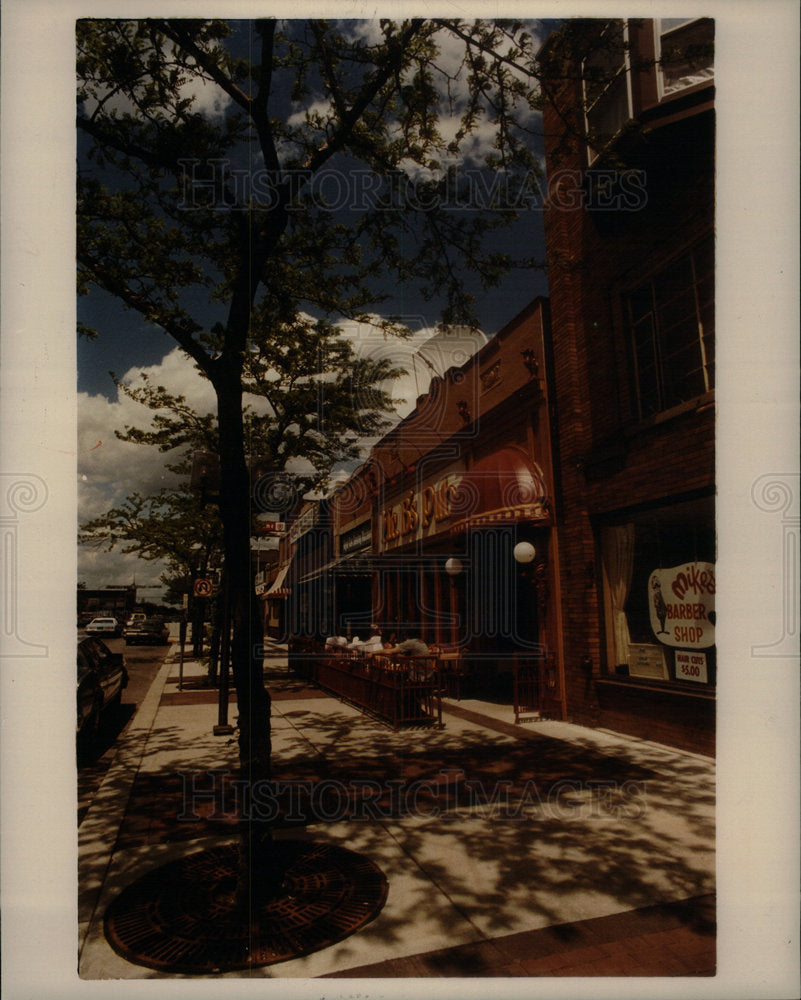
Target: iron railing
{"type": "Point", "coordinates": [536, 687]}
{"type": "Point", "coordinates": [400, 690]}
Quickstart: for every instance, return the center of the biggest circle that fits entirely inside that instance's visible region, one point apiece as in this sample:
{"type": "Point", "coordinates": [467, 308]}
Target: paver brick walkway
{"type": "Point", "coordinates": [674, 939]}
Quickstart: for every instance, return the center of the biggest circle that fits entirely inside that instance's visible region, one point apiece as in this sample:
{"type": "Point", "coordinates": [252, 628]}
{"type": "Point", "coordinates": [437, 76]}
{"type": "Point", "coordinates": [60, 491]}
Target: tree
{"type": "Point", "coordinates": [304, 383]}
{"type": "Point", "coordinates": [217, 229]}
{"type": "Point", "coordinates": [172, 525]}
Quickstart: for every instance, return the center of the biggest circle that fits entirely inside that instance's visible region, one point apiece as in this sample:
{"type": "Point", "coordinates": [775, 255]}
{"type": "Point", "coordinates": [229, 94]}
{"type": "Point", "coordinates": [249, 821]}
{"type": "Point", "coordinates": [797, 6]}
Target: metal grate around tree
{"type": "Point", "coordinates": [183, 917]}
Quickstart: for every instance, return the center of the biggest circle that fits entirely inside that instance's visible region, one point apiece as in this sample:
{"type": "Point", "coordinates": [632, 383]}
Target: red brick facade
{"type": "Point", "coordinates": [614, 225]}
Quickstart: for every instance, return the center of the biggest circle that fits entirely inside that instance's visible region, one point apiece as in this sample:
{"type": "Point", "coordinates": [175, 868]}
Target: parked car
{"type": "Point", "coordinates": [103, 626]}
{"type": "Point", "coordinates": [136, 618]}
{"type": "Point", "coordinates": [151, 632]}
{"type": "Point", "coordinates": [101, 679]}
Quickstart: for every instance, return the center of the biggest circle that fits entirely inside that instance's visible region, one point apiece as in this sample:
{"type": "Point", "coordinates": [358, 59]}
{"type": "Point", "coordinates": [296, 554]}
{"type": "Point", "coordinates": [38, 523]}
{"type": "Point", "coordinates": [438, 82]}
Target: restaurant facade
{"type": "Point", "coordinates": [446, 533]}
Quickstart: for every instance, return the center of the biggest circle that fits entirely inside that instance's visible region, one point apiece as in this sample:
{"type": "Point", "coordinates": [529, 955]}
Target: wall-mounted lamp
{"type": "Point", "coordinates": [524, 552]}
{"type": "Point", "coordinates": [453, 566]}
{"type": "Point", "coordinates": [530, 362]}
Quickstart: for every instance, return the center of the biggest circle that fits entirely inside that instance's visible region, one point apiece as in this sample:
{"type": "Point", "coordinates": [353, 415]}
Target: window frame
{"type": "Point", "coordinates": [660, 73]}
{"type": "Point", "coordinates": [651, 518]}
{"type": "Point", "coordinates": [625, 72]}
{"type": "Point", "coordinates": [702, 342]}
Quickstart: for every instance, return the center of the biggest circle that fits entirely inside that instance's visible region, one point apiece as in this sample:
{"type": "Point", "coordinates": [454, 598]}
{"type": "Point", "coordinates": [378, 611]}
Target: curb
{"type": "Point", "coordinates": [100, 826]}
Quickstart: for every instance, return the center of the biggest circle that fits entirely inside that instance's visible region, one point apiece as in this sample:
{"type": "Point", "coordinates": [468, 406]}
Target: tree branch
{"type": "Point", "coordinates": [369, 90]}
{"type": "Point", "coordinates": [152, 312]}
{"type": "Point", "coordinates": [174, 32]}
{"type": "Point", "coordinates": [261, 120]}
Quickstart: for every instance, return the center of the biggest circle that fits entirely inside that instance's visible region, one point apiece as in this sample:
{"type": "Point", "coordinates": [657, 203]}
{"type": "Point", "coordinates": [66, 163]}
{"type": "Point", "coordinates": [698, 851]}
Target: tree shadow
{"type": "Point", "coordinates": [483, 833]}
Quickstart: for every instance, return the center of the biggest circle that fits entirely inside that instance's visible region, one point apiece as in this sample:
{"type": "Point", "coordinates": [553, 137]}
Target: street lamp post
{"type": "Point", "coordinates": [223, 727]}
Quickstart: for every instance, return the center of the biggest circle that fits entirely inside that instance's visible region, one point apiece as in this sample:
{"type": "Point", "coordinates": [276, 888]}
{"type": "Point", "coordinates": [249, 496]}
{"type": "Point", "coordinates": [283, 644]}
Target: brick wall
{"type": "Point", "coordinates": [606, 460]}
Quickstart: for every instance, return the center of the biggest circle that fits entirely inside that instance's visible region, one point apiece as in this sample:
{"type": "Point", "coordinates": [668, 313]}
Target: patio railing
{"type": "Point", "coordinates": [535, 687]}
{"type": "Point", "coordinates": [400, 690]}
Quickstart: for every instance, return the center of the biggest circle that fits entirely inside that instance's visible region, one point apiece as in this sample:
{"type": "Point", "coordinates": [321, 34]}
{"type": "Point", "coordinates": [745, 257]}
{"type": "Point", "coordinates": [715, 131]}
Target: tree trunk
{"type": "Point", "coordinates": [257, 880]}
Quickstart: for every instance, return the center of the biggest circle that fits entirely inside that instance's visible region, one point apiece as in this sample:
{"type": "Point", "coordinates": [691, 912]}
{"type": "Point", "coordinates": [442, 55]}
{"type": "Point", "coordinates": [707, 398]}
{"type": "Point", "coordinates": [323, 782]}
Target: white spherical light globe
{"type": "Point", "coordinates": [453, 566]}
{"type": "Point", "coordinates": [524, 552]}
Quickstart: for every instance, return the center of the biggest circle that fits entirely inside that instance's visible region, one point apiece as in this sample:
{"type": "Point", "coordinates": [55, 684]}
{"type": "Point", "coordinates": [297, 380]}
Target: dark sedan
{"type": "Point", "coordinates": [151, 632]}
{"type": "Point", "coordinates": [101, 679]}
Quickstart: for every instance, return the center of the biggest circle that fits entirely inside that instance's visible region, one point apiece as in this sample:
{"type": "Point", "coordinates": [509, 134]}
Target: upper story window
{"type": "Point", "coordinates": [685, 52]}
{"type": "Point", "coordinates": [607, 95]}
{"type": "Point", "coordinates": [671, 327]}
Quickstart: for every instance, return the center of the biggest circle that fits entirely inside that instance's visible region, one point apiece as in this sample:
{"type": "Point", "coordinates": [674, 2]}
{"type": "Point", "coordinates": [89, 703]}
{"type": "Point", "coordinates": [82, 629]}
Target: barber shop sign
{"type": "Point", "coordinates": [681, 601]}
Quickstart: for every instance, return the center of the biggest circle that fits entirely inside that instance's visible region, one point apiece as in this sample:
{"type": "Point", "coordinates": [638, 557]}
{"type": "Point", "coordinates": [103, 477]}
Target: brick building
{"type": "Point", "coordinates": [457, 486]}
{"type": "Point", "coordinates": [445, 533]}
{"type": "Point", "coordinates": [629, 128]}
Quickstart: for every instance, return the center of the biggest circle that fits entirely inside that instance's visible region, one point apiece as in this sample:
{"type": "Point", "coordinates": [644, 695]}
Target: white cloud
{"type": "Point", "coordinates": [209, 99]}
{"type": "Point", "coordinates": [450, 74]}
{"type": "Point", "coordinates": [318, 107]}
{"type": "Point", "coordinates": [452, 83]}
{"type": "Point", "coordinates": [428, 352]}
{"type": "Point", "coordinates": [109, 470]}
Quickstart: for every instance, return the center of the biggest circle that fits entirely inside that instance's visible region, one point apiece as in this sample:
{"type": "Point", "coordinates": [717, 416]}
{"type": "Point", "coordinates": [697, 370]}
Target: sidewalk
{"type": "Point", "coordinates": [542, 849]}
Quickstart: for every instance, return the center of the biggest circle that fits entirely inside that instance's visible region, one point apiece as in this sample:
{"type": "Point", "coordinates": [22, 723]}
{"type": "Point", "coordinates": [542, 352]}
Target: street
{"type": "Point", "coordinates": [143, 663]}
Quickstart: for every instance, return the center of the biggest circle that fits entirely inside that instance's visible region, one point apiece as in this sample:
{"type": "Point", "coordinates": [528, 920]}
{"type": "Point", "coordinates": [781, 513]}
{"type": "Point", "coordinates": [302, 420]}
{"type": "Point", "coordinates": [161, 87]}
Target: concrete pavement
{"type": "Point", "coordinates": [540, 849]}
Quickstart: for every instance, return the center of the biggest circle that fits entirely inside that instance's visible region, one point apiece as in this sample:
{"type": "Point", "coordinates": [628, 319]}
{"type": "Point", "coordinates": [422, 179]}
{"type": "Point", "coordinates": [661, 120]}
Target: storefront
{"type": "Point", "coordinates": [463, 504]}
{"type": "Point", "coordinates": [658, 570]}
{"type": "Point", "coordinates": [309, 545]}
{"type": "Point", "coordinates": [413, 595]}
{"type": "Point", "coordinates": [275, 598]}
{"type": "Point", "coordinates": [351, 571]}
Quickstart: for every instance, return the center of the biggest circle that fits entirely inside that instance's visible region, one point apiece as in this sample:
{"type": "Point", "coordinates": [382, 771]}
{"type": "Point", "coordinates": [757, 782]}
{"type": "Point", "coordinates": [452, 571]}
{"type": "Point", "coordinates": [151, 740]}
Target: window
{"type": "Point", "coordinates": [607, 100]}
{"type": "Point", "coordinates": [671, 329]}
{"type": "Point", "coordinates": [686, 52]}
{"type": "Point", "coordinates": [659, 589]}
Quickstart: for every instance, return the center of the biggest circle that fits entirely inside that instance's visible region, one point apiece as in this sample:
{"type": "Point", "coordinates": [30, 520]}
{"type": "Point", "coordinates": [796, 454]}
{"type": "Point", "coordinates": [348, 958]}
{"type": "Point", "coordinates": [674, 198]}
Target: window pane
{"type": "Point", "coordinates": [687, 53]}
{"type": "Point", "coordinates": [681, 337]}
{"type": "Point", "coordinates": [674, 280]}
{"type": "Point", "coordinates": [649, 390]}
{"type": "Point", "coordinates": [603, 65]}
{"type": "Point", "coordinates": [704, 256]}
{"type": "Point", "coordinates": [606, 86]}
{"type": "Point", "coordinates": [610, 113]}
{"type": "Point", "coordinates": [672, 332]}
{"type": "Point", "coordinates": [683, 377]}
{"type": "Point", "coordinates": [709, 354]}
{"type": "Point", "coordinates": [640, 303]}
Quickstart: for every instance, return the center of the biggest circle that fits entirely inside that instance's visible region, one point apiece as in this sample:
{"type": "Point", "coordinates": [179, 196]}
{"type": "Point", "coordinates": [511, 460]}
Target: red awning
{"type": "Point", "coordinates": [277, 589]}
{"type": "Point", "coordinates": [505, 487]}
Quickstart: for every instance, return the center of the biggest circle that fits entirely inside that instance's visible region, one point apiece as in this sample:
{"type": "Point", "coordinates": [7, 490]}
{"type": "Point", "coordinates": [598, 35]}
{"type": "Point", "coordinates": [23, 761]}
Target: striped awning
{"type": "Point", "coordinates": [503, 488]}
{"type": "Point", "coordinates": [277, 588]}
{"type": "Point", "coordinates": [354, 564]}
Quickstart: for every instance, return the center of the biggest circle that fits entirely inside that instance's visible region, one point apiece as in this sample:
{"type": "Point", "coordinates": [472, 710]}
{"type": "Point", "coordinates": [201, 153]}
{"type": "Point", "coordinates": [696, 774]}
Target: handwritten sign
{"type": "Point", "coordinates": [681, 601]}
{"type": "Point", "coordinates": [691, 666]}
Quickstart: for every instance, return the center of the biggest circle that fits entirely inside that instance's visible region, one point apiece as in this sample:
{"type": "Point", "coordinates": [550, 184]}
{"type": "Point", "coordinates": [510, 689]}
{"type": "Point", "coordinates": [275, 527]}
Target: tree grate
{"type": "Point", "coordinates": [184, 917]}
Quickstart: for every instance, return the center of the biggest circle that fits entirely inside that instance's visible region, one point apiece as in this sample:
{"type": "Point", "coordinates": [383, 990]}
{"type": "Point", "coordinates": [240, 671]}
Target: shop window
{"type": "Point", "coordinates": [659, 583]}
{"type": "Point", "coordinates": [686, 52]}
{"type": "Point", "coordinates": [607, 96]}
{"type": "Point", "coordinates": [671, 329]}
